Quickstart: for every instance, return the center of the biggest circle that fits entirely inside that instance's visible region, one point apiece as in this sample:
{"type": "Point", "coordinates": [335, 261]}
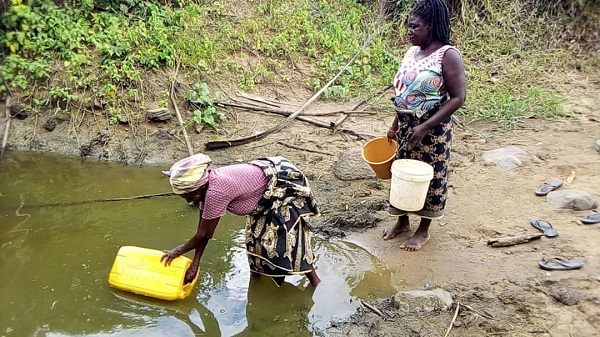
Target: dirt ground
{"type": "Point", "coordinates": [498, 291]}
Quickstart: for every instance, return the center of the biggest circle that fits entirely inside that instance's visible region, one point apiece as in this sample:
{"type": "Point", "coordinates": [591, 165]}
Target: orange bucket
{"type": "Point", "coordinates": [379, 154]}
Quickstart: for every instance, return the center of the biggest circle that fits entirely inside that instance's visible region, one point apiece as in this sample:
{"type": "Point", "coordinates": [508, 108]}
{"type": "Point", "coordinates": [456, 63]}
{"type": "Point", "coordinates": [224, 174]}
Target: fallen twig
{"type": "Point", "coordinates": [5, 84]}
{"type": "Point", "coordinates": [258, 99]}
{"type": "Point", "coordinates": [513, 240]}
{"type": "Point", "coordinates": [172, 95]}
{"type": "Point", "coordinates": [375, 310]}
{"type": "Point", "coordinates": [137, 197]}
{"type": "Point", "coordinates": [32, 141]}
{"type": "Point", "coordinates": [235, 142]}
{"type": "Point", "coordinates": [344, 115]}
{"type": "Point", "coordinates": [304, 149]}
{"type": "Point", "coordinates": [285, 112]}
{"type": "Point", "coordinates": [478, 312]}
{"type": "Point", "coordinates": [453, 319]}
{"type": "Point", "coordinates": [6, 128]}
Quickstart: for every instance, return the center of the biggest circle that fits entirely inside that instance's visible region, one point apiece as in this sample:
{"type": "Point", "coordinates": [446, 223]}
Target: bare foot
{"type": "Point", "coordinates": [401, 226]}
{"type": "Point", "coordinates": [313, 278]}
{"type": "Point", "coordinates": [415, 242]}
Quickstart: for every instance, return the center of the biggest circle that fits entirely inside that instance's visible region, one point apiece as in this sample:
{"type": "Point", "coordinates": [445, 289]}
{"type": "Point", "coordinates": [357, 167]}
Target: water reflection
{"type": "Point", "coordinates": [54, 261]}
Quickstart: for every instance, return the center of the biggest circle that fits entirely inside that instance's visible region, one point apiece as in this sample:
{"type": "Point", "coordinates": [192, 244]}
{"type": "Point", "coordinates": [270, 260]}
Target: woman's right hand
{"type": "Point", "coordinates": [391, 135]}
{"type": "Point", "coordinates": [170, 255]}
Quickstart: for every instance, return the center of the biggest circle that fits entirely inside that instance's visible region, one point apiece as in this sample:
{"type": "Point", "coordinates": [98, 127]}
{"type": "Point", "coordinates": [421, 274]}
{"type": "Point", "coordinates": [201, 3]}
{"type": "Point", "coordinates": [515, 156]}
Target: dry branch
{"type": "Point", "coordinates": [172, 94]}
{"type": "Point", "coordinates": [314, 121]}
{"type": "Point", "coordinates": [6, 128]}
{"type": "Point", "coordinates": [137, 197]}
{"type": "Point", "coordinates": [344, 115]}
{"type": "Point", "coordinates": [513, 240]}
{"type": "Point", "coordinates": [258, 99]}
{"type": "Point", "coordinates": [375, 310]}
{"type": "Point", "coordinates": [303, 148]}
{"type": "Point", "coordinates": [235, 142]}
{"type": "Point", "coordinates": [453, 319]}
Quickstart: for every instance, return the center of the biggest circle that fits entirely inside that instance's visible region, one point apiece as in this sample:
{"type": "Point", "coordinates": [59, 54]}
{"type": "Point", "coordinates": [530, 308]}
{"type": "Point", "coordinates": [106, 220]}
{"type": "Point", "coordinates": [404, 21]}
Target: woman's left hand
{"type": "Point", "coordinates": [418, 133]}
{"type": "Point", "coordinates": [170, 255]}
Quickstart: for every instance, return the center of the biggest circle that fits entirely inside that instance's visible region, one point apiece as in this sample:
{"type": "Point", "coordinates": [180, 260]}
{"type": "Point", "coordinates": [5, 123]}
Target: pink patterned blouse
{"type": "Point", "coordinates": [236, 188]}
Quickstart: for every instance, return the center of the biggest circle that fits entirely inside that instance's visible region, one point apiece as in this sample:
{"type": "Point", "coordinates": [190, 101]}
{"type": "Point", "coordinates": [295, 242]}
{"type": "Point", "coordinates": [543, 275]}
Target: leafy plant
{"type": "Point", "coordinates": [207, 113]}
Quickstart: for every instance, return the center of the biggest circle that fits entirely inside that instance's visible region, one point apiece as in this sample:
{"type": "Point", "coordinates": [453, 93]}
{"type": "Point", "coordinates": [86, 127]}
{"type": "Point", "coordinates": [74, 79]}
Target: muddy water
{"type": "Point", "coordinates": [55, 259]}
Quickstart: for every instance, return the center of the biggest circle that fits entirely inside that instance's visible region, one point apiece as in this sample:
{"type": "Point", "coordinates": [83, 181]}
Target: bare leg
{"type": "Point", "coordinates": [313, 278]}
{"type": "Point", "coordinates": [420, 237]}
{"type": "Point", "coordinates": [401, 226]}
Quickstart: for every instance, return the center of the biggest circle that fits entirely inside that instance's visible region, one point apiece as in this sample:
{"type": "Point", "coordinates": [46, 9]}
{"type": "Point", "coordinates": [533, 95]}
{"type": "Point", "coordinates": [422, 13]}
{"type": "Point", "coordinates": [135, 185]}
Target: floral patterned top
{"type": "Point", "coordinates": [419, 84]}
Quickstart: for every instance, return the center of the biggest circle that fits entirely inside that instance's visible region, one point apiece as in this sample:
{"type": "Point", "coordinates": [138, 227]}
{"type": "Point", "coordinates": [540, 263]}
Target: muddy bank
{"type": "Point", "coordinates": [500, 308]}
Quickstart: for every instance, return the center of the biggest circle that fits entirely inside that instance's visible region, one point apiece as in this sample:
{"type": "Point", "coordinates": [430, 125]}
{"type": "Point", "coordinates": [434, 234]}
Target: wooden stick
{"type": "Point", "coordinates": [5, 84]}
{"type": "Point", "coordinates": [513, 240]}
{"type": "Point", "coordinates": [172, 94]}
{"type": "Point", "coordinates": [303, 149]}
{"type": "Point", "coordinates": [284, 112]}
{"type": "Point", "coordinates": [478, 313]}
{"type": "Point", "coordinates": [235, 142]}
{"type": "Point", "coordinates": [137, 197]}
{"type": "Point", "coordinates": [348, 112]}
{"type": "Point", "coordinates": [317, 122]}
{"type": "Point", "coordinates": [344, 115]}
{"type": "Point", "coordinates": [453, 319]}
{"type": "Point", "coordinates": [6, 128]}
{"type": "Point", "coordinates": [375, 310]}
{"type": "Point", "coordinates": [258, 99]}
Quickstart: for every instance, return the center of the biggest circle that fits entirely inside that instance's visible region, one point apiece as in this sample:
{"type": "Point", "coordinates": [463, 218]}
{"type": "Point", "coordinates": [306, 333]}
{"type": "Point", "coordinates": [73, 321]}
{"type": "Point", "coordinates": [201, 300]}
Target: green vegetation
{"type": "Point", "coordinates": [115, 50]}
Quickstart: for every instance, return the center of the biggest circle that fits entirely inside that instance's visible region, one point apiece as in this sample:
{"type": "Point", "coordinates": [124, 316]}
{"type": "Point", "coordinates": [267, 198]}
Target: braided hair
{"type": "Point", "coordinates": [436, 14]}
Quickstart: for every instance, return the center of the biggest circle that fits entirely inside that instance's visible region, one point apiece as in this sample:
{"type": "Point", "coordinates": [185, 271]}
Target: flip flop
{"type": "Point", "coordinates": [590, 219]}
{"type": "Point", "coordinates": [558, 263]}
{"type": "Point", "coordinates": [545, 227]}
{"type": "Point", "coordinates": [548, 187]}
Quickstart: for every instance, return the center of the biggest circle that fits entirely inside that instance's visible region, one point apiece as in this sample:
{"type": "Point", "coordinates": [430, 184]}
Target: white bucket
{"type": "Point", "coordinates": [410, 182]}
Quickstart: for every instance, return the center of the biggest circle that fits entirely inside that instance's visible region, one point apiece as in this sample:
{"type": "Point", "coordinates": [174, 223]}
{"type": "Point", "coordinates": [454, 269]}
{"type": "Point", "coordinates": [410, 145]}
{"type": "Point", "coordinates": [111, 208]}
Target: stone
{"type": "Point", "coordinates": [598, 145]}
{"type": "Point", "coordinates": [159, 115]}
{"type": "Point", "coordinates": [19, 111]}
{"type": "Point", "coordinates": [571, 198]}
{"type": "Point", "coordinates": [509, 157]}
{"type": "Point", "coordinates": [52, 122]}
{"type": "Point", "coordinates": [417, 301]}
{"type": "Point", "coordinates": [162, 135]}
{"type": "Point", "coordinates": [351, 166]}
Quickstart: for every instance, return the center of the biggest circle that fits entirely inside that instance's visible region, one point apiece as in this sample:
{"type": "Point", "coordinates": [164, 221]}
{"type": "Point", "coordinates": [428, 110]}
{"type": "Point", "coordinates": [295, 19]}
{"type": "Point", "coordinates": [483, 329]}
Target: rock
{"type": "Point", "coordinates": [598, 145]}
{"type": "Point", "coordinates": [159, 115]}
{"type": "Point", "coordinates": [351, 166]}
{"type": "Point", "coordinates": [162, 135]}
{"type": "Point", "coordinates": [417, 301]}
{"type": "Point", "coordinates": [571, 198]}
{"type": "Point", "coordinates": [509, 157]}
{"type": "Point", "coordinates": [19, 111]}
{"type": "Point", "coordinates": [52, 122]}
{"type": "Point", "coordinates": [568, 296]}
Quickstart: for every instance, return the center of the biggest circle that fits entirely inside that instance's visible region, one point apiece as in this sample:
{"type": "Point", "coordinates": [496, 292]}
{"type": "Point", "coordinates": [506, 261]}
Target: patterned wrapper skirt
{"type": "Point", "coordinates": [433, 149]}
{"type": "Point", "coordinates": [278, 233]}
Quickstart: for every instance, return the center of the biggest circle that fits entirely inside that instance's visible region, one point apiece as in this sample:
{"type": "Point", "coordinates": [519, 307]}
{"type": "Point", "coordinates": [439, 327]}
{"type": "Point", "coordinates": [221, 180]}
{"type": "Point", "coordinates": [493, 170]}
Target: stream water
{"type": "Point", "coordinates": [56, 251]}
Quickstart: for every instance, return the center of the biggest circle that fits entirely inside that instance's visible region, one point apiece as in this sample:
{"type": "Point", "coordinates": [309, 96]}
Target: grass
{"type": "Point", "coordinates": [514, 50]}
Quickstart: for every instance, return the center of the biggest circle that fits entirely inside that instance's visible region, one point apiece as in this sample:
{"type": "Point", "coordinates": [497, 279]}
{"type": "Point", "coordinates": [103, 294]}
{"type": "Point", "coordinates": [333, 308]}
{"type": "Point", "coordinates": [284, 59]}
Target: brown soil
{"type": "Point", "coordinates": [502, 291]}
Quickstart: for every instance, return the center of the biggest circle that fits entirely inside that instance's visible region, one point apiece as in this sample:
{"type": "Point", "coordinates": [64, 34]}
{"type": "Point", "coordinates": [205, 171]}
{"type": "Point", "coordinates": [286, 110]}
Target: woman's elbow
{"type": "Point", "coordinates": [460, 99]}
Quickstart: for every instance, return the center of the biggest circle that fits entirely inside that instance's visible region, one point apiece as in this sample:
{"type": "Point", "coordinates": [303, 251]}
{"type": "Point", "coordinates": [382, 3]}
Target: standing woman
{"type": "Point", "coordinates": [429, 87]}
{"type": "Point", "coordinates": [273, 194]}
